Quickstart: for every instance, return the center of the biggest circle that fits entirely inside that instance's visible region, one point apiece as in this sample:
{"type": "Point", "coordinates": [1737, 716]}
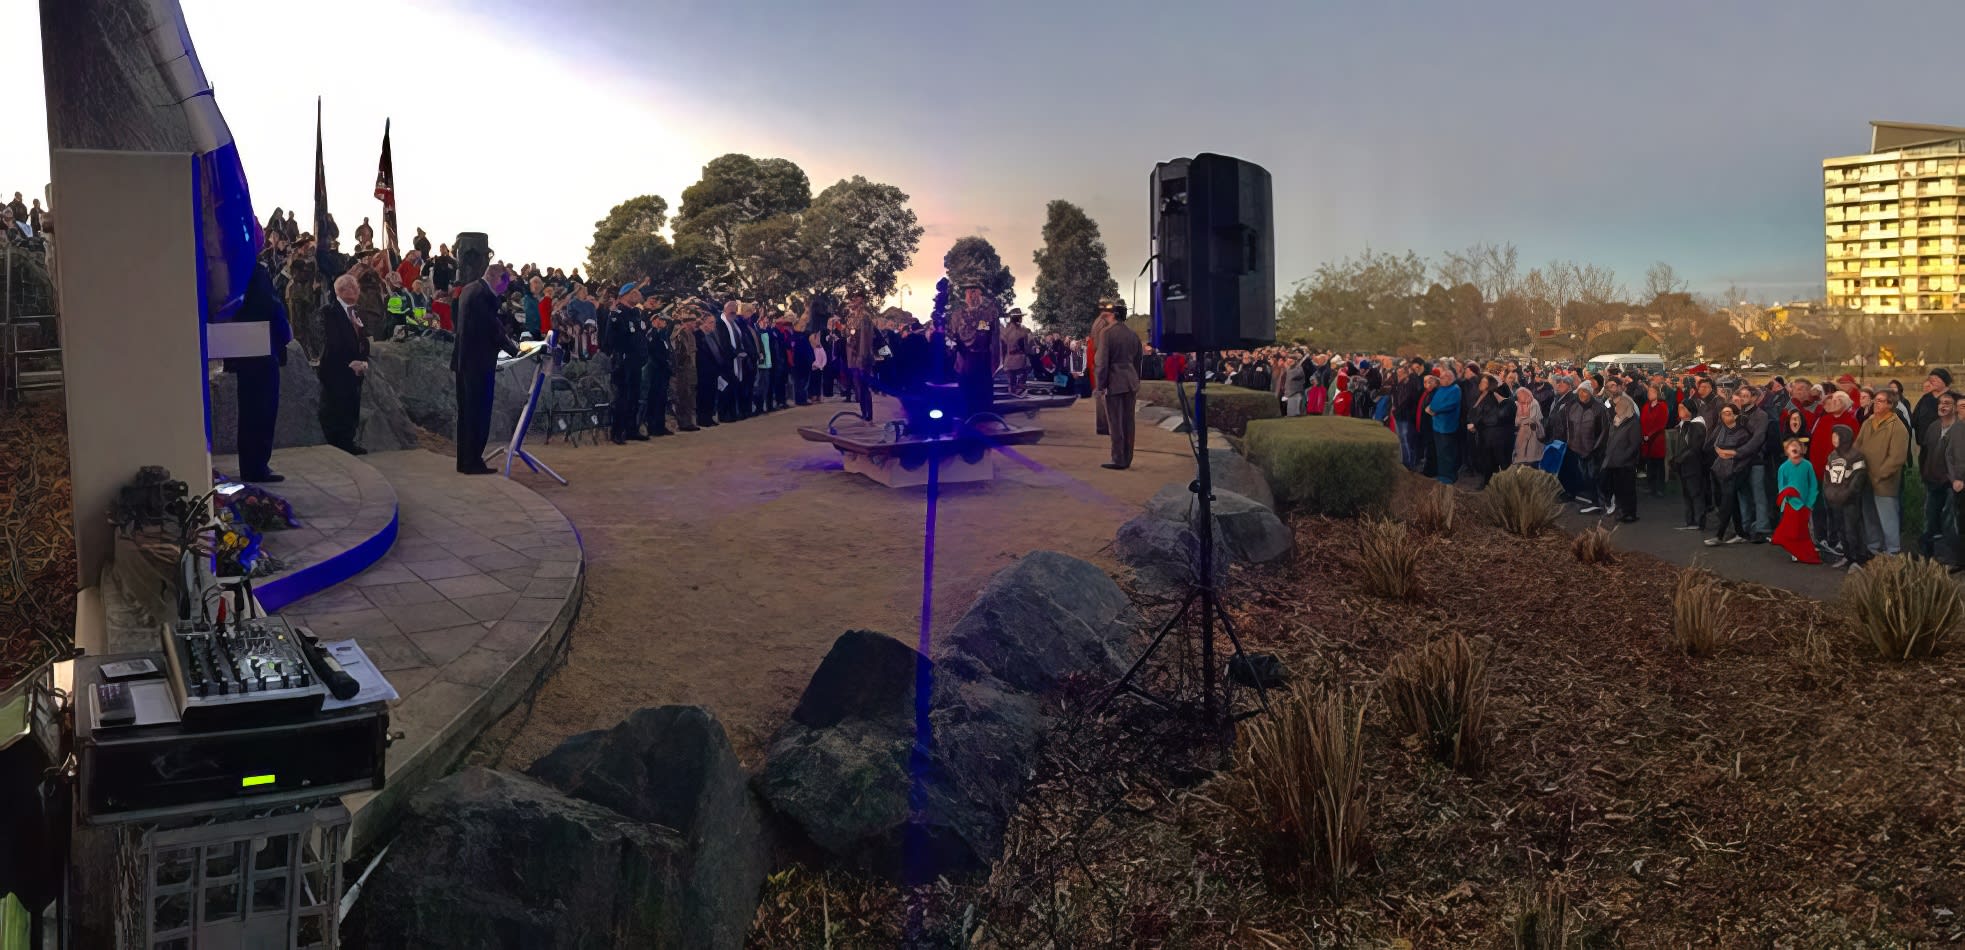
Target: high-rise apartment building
{"type": "Point", "coordinates": [1894, 220]}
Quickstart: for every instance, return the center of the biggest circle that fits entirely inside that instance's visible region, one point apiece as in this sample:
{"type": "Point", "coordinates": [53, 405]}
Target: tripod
{"type": "Point", "coordinates": [1201, 592]}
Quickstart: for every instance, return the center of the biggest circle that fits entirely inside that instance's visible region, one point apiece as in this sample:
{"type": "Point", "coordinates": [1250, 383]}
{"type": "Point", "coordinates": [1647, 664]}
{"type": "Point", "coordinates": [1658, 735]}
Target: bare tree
{"type": "Point", "coordinates": [1660, 279]}
{"type": "Point", "coordinates": [1494, 268]}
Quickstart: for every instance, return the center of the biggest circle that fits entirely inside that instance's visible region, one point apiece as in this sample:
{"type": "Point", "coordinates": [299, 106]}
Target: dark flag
{"type": "Point", "coordinates": [325, 232]}
{"type": "Point", "coordinates": [385, 192]}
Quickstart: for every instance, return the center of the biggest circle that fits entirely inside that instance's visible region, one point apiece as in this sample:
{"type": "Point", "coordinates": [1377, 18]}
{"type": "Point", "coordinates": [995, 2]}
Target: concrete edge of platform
{"type": "Point", "coordinates": [377, 814]}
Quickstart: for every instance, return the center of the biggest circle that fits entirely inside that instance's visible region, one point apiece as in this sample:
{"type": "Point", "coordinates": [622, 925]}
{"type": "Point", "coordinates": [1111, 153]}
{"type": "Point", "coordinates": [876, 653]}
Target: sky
{"type": "Point", "coordinates": [1613, 133]}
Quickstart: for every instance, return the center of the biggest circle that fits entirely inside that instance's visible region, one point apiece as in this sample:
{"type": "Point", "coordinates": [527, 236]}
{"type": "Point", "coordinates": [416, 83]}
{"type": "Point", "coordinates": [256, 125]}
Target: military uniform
{"type": "Point", "coordinates": [682, 365]}
{"type": "Point", "coordinates": [975, 352]}
{"type": "Point", "coordinates": [658, 376]}
{"type": "Point", "coordinates": [626, 341]}
{"type": "Point", "coordinates": [304, 304]}
{"type": "Point", "coordinates": [1013, 353]}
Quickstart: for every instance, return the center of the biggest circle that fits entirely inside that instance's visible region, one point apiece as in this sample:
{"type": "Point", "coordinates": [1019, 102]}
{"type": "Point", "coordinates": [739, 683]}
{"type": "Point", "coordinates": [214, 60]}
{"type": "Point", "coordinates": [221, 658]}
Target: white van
{"type": "Point", "coordinates": [1646, 363]}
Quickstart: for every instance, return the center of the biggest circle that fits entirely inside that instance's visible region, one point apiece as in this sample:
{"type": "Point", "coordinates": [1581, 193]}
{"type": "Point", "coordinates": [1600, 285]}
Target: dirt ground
{"type": "Point", "coordinates": [722, 564]}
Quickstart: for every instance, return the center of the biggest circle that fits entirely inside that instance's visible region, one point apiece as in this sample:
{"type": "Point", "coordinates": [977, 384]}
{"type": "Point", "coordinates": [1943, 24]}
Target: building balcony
{"type": "Point", "coordinates": [1882, 291]}
{"type": "Point", "coordinates": [1880, 270]}
{"type": "Point", "coordinates": [1886, 214]}
{"type": "Point", "coordinates": [1876, 234]}
{"type": "Point", "coordinates": [1880, 253]}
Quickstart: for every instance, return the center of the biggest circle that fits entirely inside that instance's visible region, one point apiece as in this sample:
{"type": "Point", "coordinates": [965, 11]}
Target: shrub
{"type": "Point", "coordinates": [1698, 612]}
{"type": "Point", "coordinates": [1542, 920]}
{"type": "Point", "coordinates": [1592, 545]}
{"type": "Point", "coordinates": [1388, 560]}
{"type": "Point", "coordinates": [1438, 692]}
{"type": "Point", "coordinates": [1302, 787]}
{"type": "Point", "coordinates": [1905, 607]}
{"type": "Point", "coordinates": [1330, 465]}
{"type": "Point", "coordinates": [1522, 501]}
{"type": "Point", "coordinates": [1431, 508]}
{"type": "Point", "coordinates": [1229, 407]}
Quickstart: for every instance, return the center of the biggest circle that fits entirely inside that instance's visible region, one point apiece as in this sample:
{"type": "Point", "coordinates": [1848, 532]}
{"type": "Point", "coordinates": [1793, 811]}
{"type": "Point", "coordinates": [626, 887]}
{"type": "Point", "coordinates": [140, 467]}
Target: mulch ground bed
{"type": "Point", "coordinates": [37, 540]}
{"type": "Point", "coordinates": [1790, 791]}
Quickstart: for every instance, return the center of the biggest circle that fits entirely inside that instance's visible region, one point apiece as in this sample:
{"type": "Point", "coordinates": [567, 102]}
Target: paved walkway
{"type": "Point", "coordinates": [463, 612]}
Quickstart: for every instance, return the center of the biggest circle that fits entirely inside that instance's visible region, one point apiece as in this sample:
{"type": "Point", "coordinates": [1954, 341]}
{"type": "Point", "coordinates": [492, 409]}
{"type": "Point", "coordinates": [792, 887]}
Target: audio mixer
{"type": "Point", "coordinates": [256, 667]}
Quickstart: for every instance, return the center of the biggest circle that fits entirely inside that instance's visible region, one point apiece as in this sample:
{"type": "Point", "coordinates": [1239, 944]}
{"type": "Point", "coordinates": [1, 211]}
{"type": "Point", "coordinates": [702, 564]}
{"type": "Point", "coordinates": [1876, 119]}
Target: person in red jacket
{"type": "Point", "coordinates": [1836, 409]}
{"type": "Point", "coordinates": [1652, 421]}
{"type": "Point", "coordinates": [1176, 366]}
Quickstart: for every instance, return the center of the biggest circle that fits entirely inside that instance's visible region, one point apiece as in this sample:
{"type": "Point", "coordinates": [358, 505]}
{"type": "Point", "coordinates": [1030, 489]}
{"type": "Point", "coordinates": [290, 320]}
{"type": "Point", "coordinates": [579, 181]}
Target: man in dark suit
{"type": "Point", "coordinates": [709, 364]}
{"type": "Point", "coordinates": [344, 361]}
{"type": "Point", "coordinates": [732, 402]}
{"type": "Point", "coordinates": [474, 360]}
{"type": "Point", "coordinates": [1119, 351]}
{"type": "Point", "coordinates": [259, 379]}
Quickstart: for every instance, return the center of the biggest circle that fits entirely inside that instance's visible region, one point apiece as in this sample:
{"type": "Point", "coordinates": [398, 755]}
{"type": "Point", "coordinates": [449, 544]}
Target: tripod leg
{"type": "Point", "coordinates": [1221, 613]}
{"type": "Point", "coordinates": [1126, 682]}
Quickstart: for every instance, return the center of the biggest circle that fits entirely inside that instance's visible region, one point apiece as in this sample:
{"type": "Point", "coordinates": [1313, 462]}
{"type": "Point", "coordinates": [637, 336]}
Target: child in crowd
{"type": "Point", "coordinates": [1844, 476]}
{"type": "Point", "coordinates": [1797, 501]}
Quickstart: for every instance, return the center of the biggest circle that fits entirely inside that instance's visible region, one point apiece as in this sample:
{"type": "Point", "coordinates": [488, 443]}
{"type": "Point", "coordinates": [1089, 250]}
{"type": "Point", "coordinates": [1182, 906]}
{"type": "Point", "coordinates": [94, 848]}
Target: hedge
{"type": "Point", "coordinates": [1230, 408]}
{"type": "Point", "coordinates": [1332, 465]}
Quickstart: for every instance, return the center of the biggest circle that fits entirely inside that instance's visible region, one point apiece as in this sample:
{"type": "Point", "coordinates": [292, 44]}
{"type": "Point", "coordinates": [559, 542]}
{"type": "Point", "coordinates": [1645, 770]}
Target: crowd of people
{"type": "Point", "coordinates": [1817, 468]}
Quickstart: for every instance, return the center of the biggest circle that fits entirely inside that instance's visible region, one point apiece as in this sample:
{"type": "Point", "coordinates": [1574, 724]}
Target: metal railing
{"type": "Point", "coordinates": [30, 328]}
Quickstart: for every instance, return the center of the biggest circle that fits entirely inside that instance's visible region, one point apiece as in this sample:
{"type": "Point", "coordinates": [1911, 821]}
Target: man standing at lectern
{"type": "Point", "coordinates": [474, 360]}
{"type": "Point", "coordinates": [259, 378]}
{"type": "Point", "coordinates": [1119, 352]}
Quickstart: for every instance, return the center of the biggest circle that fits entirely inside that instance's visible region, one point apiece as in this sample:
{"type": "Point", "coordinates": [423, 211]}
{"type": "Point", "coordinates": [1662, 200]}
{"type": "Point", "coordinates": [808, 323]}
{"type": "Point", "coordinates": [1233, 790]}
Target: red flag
{"type": "Point", "coordinates": [385, 192]}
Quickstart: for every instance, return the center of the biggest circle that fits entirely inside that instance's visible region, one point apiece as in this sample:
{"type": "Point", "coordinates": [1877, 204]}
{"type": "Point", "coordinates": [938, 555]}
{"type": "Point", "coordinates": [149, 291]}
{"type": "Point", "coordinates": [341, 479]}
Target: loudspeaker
{"type": "Point", "coordinates": [1214, 275]}
{"type": "Point", "coordinates": [473, 250]}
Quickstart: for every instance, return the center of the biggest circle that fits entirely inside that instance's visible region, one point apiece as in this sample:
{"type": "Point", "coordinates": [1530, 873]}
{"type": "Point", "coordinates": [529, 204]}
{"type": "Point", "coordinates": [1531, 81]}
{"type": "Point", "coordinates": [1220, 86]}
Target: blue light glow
{"type": "Point", "coordinates": [934, 413]}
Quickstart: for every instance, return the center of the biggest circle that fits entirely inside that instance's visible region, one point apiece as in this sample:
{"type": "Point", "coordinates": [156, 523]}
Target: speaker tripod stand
{"type": "Point", "coordinates": [1202, 595]}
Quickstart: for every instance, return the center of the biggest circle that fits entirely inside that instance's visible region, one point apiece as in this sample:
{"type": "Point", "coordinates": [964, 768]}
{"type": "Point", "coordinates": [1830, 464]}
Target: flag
{"type": "Point", "coordinates": [385, 192]}
{"type": "Point", "coordinates": [325, 232]}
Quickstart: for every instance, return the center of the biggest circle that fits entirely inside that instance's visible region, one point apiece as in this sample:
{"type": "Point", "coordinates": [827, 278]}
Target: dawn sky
{"type": "Point", "coordinates": [1621, 134]}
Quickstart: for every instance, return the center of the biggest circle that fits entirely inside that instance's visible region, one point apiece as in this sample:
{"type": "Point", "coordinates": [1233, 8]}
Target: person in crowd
{"type": "Point", "coordinates": [18, 208]}
{"type": "Point", "coordinates": [1797, 498]}
{"type": "Point", "coordinates": [1936, 382]}
{"type": "Point", "coordinates": [1491, 423]}
{"type": "Point", "coordinates": [34, 216]}
{"type": "Point", "coordinates": [364, 237]}
{"type": "Point", "coordinates": [862, 342]}
{"type": "Point", "coordinates": [1295, 381]}
{"type": "Point", "coordinates": [258, 378]}
{"type": "Point", "coordinates": [422, 244]}
{"type": "Point", "coordinates": [1444, 411]}
{"type": "Point", "coordinates": [374, 297]}
{"type": "Point", "coordinates": [1689, 460]}
{"type": "Point", "coordinates": [1835, 410]}
{"type": "Point", "coordinates": [1154, 366]}
{"type": "Point", "coordinates": [1729, 472]}
{"type": "Point", "coordinates": [1528, 429]}
{"type": "Point", "coordinates": [625, 341]}
{"type": "Point", "coordinates": [1885, 445]}
{"type": "Point", "coordinates": [1653, 419]}
{"type": "Point", "coordinates": [1013, 352]}
{"type": "Point", "coordinates": [1118, 384]}
{"type": "Point", "coordinates": [1584, 426]}
{"type": "Point", "coordinates": [711, 369]}
{"type": "Point", "coordinates": [804, 362]}
{"type": "Point", "coordinates": [304, 298]}
{"type": "Point", "coordinates": [658, 370]}
{"type": "Point", "coordinates": [1623, 453]}
{"type": "Point", "coordinates": [1106, 307]}
{"type": "Point", "coordinates": [1941, 464]}
{"type": "Point", "coordinates": [683, 379]}
{"type": "Point", "coordinates": [443, 270]}
{"type": "Point", "coordinates": [344, 361]}
{"type": "Point", "coordinates": [1755, 471]}
{"type": "Point", "coordinates": [480, 336]}
{"type": "Point", "coordinates": [1844, 485]}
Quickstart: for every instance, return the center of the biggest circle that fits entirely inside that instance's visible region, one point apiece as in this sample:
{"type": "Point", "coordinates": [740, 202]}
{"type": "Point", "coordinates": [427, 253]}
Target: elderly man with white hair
{"type": "Point", "coordinates": [344, 361]}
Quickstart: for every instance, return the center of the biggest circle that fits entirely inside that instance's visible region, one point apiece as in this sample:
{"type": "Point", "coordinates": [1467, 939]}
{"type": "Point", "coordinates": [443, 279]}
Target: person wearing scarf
{"type": "Point", "coordinates": [1528, 428]}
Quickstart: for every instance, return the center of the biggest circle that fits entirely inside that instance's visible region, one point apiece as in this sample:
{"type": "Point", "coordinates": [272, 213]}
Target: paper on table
{"type": "Point", "coordinates": [374, 686]}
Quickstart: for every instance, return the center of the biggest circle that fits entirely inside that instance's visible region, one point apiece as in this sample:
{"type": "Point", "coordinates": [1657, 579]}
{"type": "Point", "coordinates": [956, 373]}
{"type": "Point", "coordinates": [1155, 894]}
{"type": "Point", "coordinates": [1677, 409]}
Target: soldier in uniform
{"type": "Point", "coordinates": [659, 371]}
{"type": "Point", "coordinates": [1117, 381]}
{"type": "Point", "coordinates": [862, 342]}
{"type": "Point", "coordinates": [304, 300]}
{"type": "Point", "coordinates": [974, 327]}
{"type": "Point", "coordinates": [1108, 312]}
{"type": "Point", "coordinates": [1013, 351]}
{"type": "Point", "coordinates": [625, 340]}
{"type": "Point", "coordinates": [682, 363]}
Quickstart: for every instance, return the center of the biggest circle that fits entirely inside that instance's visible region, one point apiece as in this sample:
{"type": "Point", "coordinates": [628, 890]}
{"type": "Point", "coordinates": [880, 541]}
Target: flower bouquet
{"type": "Point", "coordinates": [261, 510]}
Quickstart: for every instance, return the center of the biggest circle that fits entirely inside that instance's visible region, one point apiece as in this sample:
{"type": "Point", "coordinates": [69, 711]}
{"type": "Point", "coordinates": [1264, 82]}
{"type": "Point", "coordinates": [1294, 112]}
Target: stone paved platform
{"type": "Point", "coordinates": [347, 515]}
{"type": "Point", "coordinates": [462, 614]}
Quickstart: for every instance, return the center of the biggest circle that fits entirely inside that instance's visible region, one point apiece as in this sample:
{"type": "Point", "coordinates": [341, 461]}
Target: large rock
{"type": "Point", "coordinates": [877, 780]}
{"type": "Point", "coordinates": [1163, 554]}
{"type": "Point", "coordinates": [1041, 619]}
{"type": "Point", "coordinates": [1253, 532]}
{"type": "Point", "coordinates": [489, 859]}
{"type": "Point", "coordinates": [672, 766]}
{"type": "Point", "coordinates": [1231, 471]}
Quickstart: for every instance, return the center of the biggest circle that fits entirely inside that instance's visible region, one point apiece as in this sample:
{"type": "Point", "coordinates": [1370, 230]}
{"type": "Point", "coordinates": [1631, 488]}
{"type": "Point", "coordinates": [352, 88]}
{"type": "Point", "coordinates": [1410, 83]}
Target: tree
{"type": "Point", "coordinates": [1660, 279]}
{"type": "Point", "coordinates": [1367, 302]}
{"type": "Point", "coordinates": [737, 192]}
{"type": "Point", "coordinates": [1493, 269]}
{"type": "Point", "coordinates": [628, 245]}
{"type": "Point", "coordinates": [1072, 271]}
{"type": "Point", "coordinates": [857, 233]}
{"type": "Point", "coordinates": [974, 261]}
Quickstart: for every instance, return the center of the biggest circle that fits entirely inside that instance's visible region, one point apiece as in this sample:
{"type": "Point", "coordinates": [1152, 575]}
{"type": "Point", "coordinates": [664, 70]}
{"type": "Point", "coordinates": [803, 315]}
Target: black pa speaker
{"type": "Point", "coordinates": [1214, 276]}
{"type": "Point", "coordinates": [473, 250]}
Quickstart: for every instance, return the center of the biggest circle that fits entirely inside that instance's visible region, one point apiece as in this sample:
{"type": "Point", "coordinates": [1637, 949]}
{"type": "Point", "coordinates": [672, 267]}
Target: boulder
{"type": "Point", "coordinates": [876, 781]}
{"type": "Point", "coordinates": [673, 766]}
{"type": "Point", "coordinates": [1041, 619]}
{"type": "Point", "coordinates": [1231, 471]}
{"type": "Point", "coordinates": [493, 859]}
{"type": "Point", "coordinates": [1253, 532]}
{"type": "Point", "coordinates": [1162, 554]}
